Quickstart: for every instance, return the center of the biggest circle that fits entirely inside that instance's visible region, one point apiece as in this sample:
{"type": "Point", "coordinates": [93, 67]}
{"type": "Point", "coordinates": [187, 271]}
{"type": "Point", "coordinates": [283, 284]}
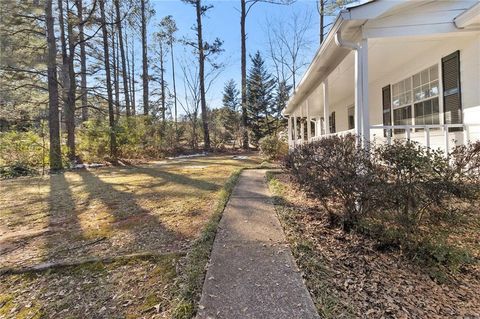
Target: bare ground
{"type": "Point", "coordinates": [350, 278]}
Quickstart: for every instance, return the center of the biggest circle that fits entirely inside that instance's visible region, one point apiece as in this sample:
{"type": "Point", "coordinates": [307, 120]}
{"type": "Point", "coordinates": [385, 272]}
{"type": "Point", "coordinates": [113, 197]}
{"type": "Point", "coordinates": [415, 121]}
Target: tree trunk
{"type": "Point", "coordinates": [115, 73]}
{"type": "Point", "coordinates": [71, 94]}
{"type": "Point", "coordinates": [122, 54]}
{"type": "Point", "coordinates": [83, 61]}
{"type": "Point", "coordinates": [174, 90]}
{"type": "Point", "coordinates": [55, 155]}
{"type": "Point", "coordinates": [243, 16]}
{"type": "Point", "coordinates": [201, 62]}
{"type": "Point", "coordinates": [111, 116]}
{"type": "Point", "coordinates": [144, 58]}
{"type": "Point", "coordinates": [134, 110]}
{"type": "Point", "coordinates": [162, 87]}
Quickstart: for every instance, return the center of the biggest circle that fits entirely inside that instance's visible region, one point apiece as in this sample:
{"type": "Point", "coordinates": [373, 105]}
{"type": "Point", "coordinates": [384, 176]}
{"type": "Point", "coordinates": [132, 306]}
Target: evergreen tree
{"type": "Point", "coordinates": [230, 96]}
{"type": "Point", "coordinates": [229, 114]}
{"type": "Point", "coordinates": [261, 104]}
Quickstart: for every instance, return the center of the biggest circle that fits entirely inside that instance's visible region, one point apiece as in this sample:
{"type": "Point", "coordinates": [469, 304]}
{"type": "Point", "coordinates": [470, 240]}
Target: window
{"type": "Point", "coordinates": [401, 101]}
{"type": "Point", "coordinates": [425, 96]}
{"type": "Point", "coordinates": [417, 94]}
{"type": "Point", "coordinates": [351, 118]}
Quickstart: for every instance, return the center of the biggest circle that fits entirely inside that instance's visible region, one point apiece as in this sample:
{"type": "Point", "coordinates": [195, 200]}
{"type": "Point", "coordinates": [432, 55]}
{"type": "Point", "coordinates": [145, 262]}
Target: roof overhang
{"type": "Point", "coordinates": [469, 19]}
{"type": "Point", "coordinates": [330, 55]}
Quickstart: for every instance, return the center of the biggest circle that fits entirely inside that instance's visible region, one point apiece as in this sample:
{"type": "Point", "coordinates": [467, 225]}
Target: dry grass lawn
{"type": "Point", "coordinates": [158, 209]}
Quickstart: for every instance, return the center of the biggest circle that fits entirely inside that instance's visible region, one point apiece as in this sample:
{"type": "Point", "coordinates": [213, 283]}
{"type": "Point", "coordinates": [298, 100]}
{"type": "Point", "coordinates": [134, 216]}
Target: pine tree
{"type": "Point", "coordinates": [260, 103]}
{"type": "Point", "coordinates": [230, 116]}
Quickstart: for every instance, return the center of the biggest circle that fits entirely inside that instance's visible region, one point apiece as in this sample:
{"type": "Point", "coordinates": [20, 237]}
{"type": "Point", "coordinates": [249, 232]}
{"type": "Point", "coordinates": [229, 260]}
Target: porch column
{"type": "Point", "coordinates": [302, 130]}
{"type": "Point", "coordinates": [326, 107]}
{"type": "Point", "coordinates": [362, 123]}
{"type": "Point", "coordinates": [289, 132]}
{"type": "Point", "coordinates": [365, 106]}
{"type": "Point", "coordinates": [309, 127]}
{"type": "Point", "coordinates": [295, 131]}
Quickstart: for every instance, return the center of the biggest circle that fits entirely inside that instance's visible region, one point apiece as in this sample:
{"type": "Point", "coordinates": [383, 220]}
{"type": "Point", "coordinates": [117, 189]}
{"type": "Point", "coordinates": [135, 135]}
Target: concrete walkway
{"type": "Point", "coordinates": [252, 273]}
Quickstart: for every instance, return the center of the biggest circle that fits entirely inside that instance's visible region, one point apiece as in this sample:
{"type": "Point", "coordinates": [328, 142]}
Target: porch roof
{"type": "Point", "coordinates": [377, 16]}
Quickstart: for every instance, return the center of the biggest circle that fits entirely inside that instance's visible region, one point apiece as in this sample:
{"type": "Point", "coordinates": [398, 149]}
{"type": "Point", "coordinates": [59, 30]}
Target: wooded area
{"type": "Point", "coordinates": [70, 88]}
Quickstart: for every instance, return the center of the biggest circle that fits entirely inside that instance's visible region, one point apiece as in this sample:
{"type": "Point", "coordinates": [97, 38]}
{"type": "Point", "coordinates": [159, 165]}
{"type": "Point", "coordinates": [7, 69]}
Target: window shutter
{"type": "Point", "coordinates": [452, 99]}
{"type": "Point", "coordinates": [387, 105]}
{"type": "Point", "coordinates": [332, 123]}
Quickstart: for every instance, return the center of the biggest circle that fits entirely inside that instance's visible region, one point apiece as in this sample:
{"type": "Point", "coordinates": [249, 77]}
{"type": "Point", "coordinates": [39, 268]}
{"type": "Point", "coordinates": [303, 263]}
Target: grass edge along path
{"type": "Point", "coordinates": [193, 273]}
{"type": "Point", "coordinates": [306, 257]}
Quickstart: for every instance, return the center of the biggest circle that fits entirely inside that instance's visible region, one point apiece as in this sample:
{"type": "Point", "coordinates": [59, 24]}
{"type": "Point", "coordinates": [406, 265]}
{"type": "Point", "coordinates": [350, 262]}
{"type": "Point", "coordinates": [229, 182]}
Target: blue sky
{"type": "Point", "coordinates": [223, 21]}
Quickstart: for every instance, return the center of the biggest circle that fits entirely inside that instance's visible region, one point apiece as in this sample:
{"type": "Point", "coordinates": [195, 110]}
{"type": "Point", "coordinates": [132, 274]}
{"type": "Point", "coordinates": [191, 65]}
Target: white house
{"type": "Point", "coordinates": [392, 69]}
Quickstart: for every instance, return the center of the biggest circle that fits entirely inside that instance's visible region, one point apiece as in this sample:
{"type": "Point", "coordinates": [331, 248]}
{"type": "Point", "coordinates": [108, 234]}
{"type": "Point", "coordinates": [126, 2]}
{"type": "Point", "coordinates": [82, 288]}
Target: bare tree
{"type": "Point", "coordinates": [245, 7]}
{"type": "Point", "coordinates": [288, 41]}
{"type": "Point", "coordinates": [53, 122]}
{"type": "Point", "coordinates": [169, 27]}
{"type": "Point", "coordinates": [327, 8]}
{"type": "Point", "coordinates": [204, 50]}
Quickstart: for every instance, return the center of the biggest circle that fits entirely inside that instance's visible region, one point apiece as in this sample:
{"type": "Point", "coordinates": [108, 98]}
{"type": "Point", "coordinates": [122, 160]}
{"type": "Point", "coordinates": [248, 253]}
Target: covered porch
{"type": "Point", "coordinates": [389, 83]}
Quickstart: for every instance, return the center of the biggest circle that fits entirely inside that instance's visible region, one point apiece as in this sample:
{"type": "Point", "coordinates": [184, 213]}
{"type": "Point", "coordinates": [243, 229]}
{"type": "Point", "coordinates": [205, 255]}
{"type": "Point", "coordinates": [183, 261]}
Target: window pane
{"type": "Point", "coordinates": [426, 90]}
{"type": "Point", "coordinates": [395, 90]}
{"type": "Point", "coordinates": [434, 88]}
{"type": "Point", "coordinates": [434, 73]}
{"type": "Point", "coordinates": [408, 84]}
{"type": "Point", "coordinates": [401, 87]}
{"type": "Point", "coordinates": [396, 101]}
{"type": "Point", "coordinates": [425, 77]}
{"type": "Point", "coordinates": [416, 80]}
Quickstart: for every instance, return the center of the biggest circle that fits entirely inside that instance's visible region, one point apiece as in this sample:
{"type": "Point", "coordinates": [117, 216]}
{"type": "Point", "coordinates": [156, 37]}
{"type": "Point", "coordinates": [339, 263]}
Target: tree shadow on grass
{"type": "Point", "coordinates": [63, 223]}
{"type": "Point", "coordinates": [140, 230]}
{"type": "Point", "coordinates": [169, 177]}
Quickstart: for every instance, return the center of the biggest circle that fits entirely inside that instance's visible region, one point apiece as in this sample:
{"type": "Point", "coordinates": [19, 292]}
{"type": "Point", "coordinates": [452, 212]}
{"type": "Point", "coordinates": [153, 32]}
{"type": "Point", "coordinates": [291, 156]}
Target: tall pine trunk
{"type": "Point", "coordinates": [201, 64]}
{"type": "Point", "coordinates": [134, 109]}
{"type": "Point", "coordinates": [146, 107]}
{"type": "Point", "coordinates": [55, 155]}
{"type": "Point", "coordinates": [67, 70]}
{"type": "Point", "coordinates": [174, 89]}
{"type": "Point", "coordinates": [162, 79]}
{"type": "Point", "coordinates": [243, 16]}
{"type": "Point", "coordinates": [83, 61]}
{"type": "Point", "coordinates": [115, 74]}
{"type": "Point", "coordinates": [122, 55]}
{"type": "Point", "coordinates": [106, 56]}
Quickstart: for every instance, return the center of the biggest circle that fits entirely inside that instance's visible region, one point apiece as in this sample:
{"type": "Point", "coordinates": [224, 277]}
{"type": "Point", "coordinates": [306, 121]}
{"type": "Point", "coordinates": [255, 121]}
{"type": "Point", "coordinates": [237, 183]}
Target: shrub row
{"type": "Point", "coordinates": [403, 194]}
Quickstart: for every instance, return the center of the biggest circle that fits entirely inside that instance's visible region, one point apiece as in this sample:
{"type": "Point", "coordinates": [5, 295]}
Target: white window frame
{"type": "Point", "coordinates": [413, 102]}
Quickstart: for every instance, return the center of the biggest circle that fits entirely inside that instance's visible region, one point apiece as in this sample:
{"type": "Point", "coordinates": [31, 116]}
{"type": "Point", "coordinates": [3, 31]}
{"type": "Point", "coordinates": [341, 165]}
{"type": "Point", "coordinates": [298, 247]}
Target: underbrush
{"type": "Point", "coordinates": [403, 195]}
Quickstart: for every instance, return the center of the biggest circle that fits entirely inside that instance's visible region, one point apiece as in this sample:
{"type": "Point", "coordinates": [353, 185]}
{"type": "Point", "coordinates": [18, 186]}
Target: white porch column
{"type": "Point", "coordinates": [365, 106]}
{"type": "Point", "coordinates": [302, 130]}
{"type": "Point", "coordinates": [289, 132]}
{"type": "Point", "coordinates": [309, 127]}
{"type": "Point", "coordinates": [326, 107]}
{"type": "Point", "coordinates": [362, 123]}
{"type": "Point", "coordinates": [358, 95]}
{"type": "Point", "coordinates": [295, 131]}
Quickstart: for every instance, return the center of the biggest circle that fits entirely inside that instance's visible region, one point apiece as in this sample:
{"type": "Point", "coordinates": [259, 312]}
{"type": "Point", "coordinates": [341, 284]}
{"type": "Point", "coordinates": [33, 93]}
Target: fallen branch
{"type": "Point", "coordinates": [62, 264]}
